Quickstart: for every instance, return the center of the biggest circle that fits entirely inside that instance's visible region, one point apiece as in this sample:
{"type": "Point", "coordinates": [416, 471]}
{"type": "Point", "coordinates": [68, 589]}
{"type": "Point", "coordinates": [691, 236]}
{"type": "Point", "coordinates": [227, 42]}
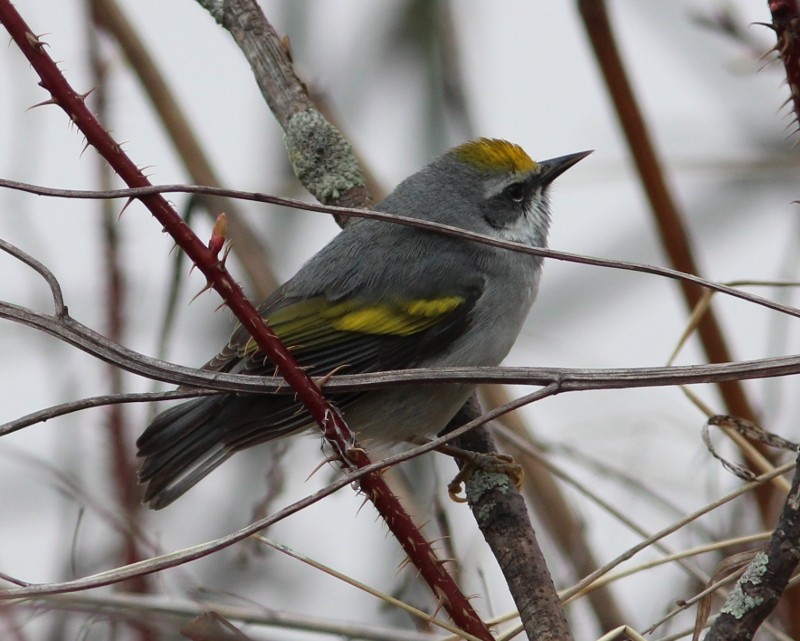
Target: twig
{"type": "Point", "coordinates": [321, 157]}
{"type": "Point", "coordinates": [665, 211]}
{"type": "Point", "coordinates": [160, 606]}
{"type": "Point", "coordinates": [121, 466]}
{"type": "Point", "coordinates": [246, 246]}
{"type": "Point", "coordinates": [43, 271]}
{"type": "Point", "coordinates": [667, 215]}
{"type": "Point", "coordinates": [761, 586]}
{"type": "Point", "coordinates": [500, 512]}
{"type": "Point", "coordinates": [455, 232]}
{"type": "Point", "coordinates": [553, 509]}
{"type": "Point", "coordinates": [588, 580]}
{"type": "Point", "coordinates": [180, 557]}
{"type": "Point", "coordinates": [84, 338]}
{"type": "Point", "coordinates": [386, 598]}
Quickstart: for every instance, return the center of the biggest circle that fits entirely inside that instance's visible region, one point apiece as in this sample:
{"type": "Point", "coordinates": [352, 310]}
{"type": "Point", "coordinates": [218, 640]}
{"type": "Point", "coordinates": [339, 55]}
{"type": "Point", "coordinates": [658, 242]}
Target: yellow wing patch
{"type": "Point", "coordinates": [495, 155]}
{"type": "Point", "coordinates": [314, 322]}
{"type": "Point", "coordinates": [395, 320]}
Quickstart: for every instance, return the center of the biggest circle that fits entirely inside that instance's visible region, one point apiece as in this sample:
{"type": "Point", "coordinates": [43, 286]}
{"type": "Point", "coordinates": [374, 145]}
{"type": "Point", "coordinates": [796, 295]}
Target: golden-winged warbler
{"type": "Point", "coordinates": [381, 296]}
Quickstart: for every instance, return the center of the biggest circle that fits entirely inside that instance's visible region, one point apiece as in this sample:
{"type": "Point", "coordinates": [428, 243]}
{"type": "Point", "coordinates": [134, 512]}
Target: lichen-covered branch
{"type": "Point", "coordinates": [500, 512]}
{"type": "Point", "coordinates": [320, 155]}
{"type": "Point", "coordinates": [761, 586]}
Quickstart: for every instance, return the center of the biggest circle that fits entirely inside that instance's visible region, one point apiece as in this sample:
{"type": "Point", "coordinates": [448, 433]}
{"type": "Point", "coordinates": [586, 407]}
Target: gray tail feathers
{"type": "Point", "coordinates": [185, 443]}
{"type": "Point", "coordinates": [180, 447]}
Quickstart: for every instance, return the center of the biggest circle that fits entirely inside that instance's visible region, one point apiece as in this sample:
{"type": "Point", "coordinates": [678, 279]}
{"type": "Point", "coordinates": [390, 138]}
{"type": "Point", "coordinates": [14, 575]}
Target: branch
{"type": "Point", "coordinates": [180, 557]}
{"type": "Point", "coordinates": [138, 606]}
{"type": "Point", "coordinates": [247, 247]}
{"type": "Point", "coordinates": [500, 512]}
{"type": "Point", "coordinates": [87, 340]}
{"type": "Point", "coordinates": [65, 328]}
{"type": "Point", "coordinates": [764, 581]}
{"type": "Point", "coordinates": [455, 232]}
{"type": "Point", "coordinates": [667, 215]}
{"type": "Point", "coordinates": [321, 157]}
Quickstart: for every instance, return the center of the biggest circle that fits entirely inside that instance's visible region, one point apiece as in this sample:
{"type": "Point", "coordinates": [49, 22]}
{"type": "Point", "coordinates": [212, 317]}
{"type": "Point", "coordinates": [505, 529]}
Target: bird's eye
{"type": "Point", "coordinates": [515, 192]}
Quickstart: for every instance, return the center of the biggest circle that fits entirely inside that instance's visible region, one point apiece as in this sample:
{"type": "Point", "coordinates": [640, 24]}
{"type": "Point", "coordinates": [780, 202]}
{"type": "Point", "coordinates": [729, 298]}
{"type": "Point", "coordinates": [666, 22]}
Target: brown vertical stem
{"type": "Point", "coordinates": [502, 517]}
{"type": "Point", "coordinates": [245, 243]}
{"type": "Point", "coordinates": [669, 221]}
{"type": "Point", "coordinates": [121, 467]}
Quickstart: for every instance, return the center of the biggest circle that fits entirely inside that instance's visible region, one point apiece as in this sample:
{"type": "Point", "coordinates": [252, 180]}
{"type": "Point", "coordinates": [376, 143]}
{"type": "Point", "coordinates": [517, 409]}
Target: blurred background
{"type": "Point", "coordinates": [404, 80]}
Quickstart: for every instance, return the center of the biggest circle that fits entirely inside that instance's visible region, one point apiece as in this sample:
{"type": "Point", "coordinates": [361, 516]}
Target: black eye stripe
{"type": "Point", "coordinates": [515, 192]}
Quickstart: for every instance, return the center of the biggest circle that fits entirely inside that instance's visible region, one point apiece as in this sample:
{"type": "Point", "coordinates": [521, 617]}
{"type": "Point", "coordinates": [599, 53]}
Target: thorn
{"type": "Point", "coordinates": [35, 41]}
{"type": "Point", "coordinates": [206, 287]}
{"type": "Point", "coordinates": [50, 101]}
{"type": "Point", "coordinates": [768, 25]}
{"type": "Point", "coordinates": [439, 538]}
{"type": "Point", "coordinates": [83, 96]}
{"type": "Point", "coordinates": [325, 461]}
{"type": "Point", "coordinates": [324, 379]}
{"type": "Point", "coordinates": [125, 206]}
{"type": "Point", "coordinates": [361, 507]}
{"type": "Point", "coordinates": [403, 564]}
{"type": "Point", "coordinates": [441, 599]}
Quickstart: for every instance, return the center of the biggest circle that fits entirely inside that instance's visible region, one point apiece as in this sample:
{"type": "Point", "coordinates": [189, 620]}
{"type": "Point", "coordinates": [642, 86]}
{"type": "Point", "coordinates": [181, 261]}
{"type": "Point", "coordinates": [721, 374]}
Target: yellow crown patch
{"type": "Point", "coordinates": [492, 154]}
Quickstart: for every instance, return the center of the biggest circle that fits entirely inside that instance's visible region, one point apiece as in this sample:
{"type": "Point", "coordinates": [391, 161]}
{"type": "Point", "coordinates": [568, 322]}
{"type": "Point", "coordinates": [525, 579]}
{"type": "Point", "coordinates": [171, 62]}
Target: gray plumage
{"type": "Point", "coordinates": [483, 293]}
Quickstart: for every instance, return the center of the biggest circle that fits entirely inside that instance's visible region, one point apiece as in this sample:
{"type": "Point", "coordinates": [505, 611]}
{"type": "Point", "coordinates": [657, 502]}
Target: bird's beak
{"type": "Point", "coordinates": [551, 169]}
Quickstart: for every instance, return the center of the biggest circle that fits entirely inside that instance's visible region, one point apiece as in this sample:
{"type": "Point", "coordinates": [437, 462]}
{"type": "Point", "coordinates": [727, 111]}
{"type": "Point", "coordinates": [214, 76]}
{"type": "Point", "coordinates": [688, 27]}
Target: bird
{"type": "Point", "coordinates": [380, 296]}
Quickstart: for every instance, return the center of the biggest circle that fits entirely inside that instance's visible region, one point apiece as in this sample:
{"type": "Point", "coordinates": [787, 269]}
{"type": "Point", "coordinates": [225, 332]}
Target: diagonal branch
{"type": "Point", "coordinates": [665, 211]}
{"type": "Point", "coordinates": [455, 232]}
{"type": "Point", "coordinates": [247, 248]}
{"type": "Point", "coordinates": [332, 425]}
{"type": "Point", "coordinates": [766, 578]}
{"type": "Point", "coordinates": [321, 157]}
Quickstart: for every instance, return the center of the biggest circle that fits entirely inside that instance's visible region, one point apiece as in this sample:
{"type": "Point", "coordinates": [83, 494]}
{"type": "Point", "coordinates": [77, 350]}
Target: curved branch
{"type": "Point", "coordinates": [321, 157]}
{"type": "Point", "coordinates": [180, 557]}
{"type": "Point", "coordinates": [40, 268]}
{"type": "Point", "coordinates": [87, 340]}
{"type": "Point", "coordinates": [449, 230]}
{"type": "Point", "coordinates": [568, 379]}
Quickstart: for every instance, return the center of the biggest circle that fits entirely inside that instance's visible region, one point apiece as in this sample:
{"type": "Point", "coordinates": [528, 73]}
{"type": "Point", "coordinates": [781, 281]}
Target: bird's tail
{"type": "Point", "coordinates": [180, 447]}
{"type": "Point", "coordinates": [186, 442]}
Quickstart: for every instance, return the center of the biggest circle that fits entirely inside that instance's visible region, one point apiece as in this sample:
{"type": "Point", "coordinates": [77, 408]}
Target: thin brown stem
{"type": "Point", "coordinates": [247, 248]}
{"type": "Point", "coordinates": [455, 232]}
{"type": "Point", "coordinates": [121, 466]}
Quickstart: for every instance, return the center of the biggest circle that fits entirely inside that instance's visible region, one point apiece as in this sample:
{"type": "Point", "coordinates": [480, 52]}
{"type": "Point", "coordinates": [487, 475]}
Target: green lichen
{"type": "Point", "coordinates": [320, 156]}
{"type": "Point", "coordinates": [739, 602]}
{"type": "Point", "coordinates": [482, 481]}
